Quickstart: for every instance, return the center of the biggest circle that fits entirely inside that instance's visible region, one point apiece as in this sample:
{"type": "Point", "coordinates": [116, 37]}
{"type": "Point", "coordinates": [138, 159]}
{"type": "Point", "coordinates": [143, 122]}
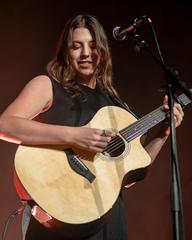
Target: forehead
{"type": "Point", "coordinates": [82, 34]}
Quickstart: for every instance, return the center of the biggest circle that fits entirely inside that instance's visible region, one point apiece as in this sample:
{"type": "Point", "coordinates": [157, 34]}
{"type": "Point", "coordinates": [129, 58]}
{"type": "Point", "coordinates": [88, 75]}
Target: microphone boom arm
{"type": "Point", "coordinates": [172, 75]}
{"type": "Point", "coordinates": [120, 33]}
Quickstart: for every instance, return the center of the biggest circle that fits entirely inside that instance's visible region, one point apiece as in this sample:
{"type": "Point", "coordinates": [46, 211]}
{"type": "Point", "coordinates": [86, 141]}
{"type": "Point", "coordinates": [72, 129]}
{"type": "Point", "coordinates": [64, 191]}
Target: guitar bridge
{"type": "Point", "coordinates": [78, 166]}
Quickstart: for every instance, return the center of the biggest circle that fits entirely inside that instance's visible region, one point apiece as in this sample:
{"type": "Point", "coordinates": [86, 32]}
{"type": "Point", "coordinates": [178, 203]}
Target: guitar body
{"type": "Point", "coordinates": [77, 204]}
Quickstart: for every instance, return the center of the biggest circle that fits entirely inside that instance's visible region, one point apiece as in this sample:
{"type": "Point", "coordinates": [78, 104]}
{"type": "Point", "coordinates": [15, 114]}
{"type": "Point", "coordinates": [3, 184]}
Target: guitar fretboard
{"type": "Point", "coordinates": [148, 121]}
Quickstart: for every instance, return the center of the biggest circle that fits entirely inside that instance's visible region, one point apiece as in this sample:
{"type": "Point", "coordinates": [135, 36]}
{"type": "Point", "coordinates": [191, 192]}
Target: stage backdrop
{"type": "Point", "coordinates": [29, 31]}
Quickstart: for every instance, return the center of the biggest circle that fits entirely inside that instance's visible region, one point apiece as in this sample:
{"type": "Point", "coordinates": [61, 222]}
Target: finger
{"type": "Point", "coordinates": [109, 133]}
{"type": "Point", "coordinates": [179, 108]}
{"type": "Point", "coordinates": [101, 144]}
{"type": "Point", "coordinates": [178, 112]}
{"type": "Point", "coordinates": [165, 106]}
{"type": "Point", "coordinates": [165, 100]}
{"type": "Point", "coordinates": [101, 138]}
{"type": "Point", "coordinates": [105, 139]}
{"type": "Point", "coordinates": [104, 133]}
{"type": "Point", "coordinates": [98, 147]}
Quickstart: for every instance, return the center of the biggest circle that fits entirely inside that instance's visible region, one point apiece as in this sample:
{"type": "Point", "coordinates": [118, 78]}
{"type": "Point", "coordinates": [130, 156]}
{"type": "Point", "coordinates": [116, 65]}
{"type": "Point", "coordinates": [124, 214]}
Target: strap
{"type": "Point", "coordinates": [123, 105]}
{"type": "Point", "coordinates": [25, 220]}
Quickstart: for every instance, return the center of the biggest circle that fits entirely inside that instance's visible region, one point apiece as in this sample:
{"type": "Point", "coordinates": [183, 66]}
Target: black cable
{"type": "Point", "coordinates": [9, 218]}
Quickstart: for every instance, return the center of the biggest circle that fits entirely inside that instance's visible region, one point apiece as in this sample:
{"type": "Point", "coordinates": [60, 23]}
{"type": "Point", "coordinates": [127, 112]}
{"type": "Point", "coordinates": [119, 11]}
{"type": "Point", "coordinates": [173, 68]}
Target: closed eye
{"type": "Point", "coordinates": [75, 46]}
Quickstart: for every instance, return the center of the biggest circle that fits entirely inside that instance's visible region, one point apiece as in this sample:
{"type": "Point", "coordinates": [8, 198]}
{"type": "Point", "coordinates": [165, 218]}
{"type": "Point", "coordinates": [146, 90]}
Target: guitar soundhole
{"type": "Point", "coordinates": [115, 148]}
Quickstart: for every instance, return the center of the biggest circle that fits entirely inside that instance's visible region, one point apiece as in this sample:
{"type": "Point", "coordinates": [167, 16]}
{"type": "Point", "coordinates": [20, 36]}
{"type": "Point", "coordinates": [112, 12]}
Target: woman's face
{"type": "Point", "coordinates": [83, 54]}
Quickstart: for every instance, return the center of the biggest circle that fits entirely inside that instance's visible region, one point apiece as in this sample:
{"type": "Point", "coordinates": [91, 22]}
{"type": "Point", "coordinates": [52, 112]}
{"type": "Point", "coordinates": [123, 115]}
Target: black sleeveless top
{"type": "Point", "coordinates": [77, 111]}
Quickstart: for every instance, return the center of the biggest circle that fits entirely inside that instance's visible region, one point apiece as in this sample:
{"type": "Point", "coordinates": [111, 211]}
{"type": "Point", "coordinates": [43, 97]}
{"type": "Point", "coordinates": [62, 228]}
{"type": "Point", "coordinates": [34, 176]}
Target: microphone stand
{"type": "Point", "coordinates": [173, 83]}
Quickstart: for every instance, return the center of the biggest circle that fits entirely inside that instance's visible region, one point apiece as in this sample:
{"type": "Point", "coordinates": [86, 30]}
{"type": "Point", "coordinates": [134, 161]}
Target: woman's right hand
{"type": "Point", "coordinates": [91, 139]}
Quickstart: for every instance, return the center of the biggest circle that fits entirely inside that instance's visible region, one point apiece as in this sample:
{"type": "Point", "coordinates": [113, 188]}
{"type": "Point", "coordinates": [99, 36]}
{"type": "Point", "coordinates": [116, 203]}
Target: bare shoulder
{"type": "Point", "coordinates": [34, 98]}
{"type": "Point", "coordinates": [40, 86]}
{"type": "Point", "coordinates": [40, 81]}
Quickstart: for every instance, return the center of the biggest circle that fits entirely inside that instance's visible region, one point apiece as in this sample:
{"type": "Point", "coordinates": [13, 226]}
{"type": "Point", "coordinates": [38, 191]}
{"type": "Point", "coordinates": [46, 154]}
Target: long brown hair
{"type": "Point", "coordinates": [59, 67]}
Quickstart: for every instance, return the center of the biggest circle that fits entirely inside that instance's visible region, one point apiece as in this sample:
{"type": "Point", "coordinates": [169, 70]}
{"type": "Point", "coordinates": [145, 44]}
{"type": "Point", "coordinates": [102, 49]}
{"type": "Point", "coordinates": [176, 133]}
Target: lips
{"type": "Point", "coordinates": [85, 64]}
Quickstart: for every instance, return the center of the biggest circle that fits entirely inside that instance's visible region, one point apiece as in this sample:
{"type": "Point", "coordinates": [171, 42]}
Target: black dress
{"type": "Point", "coordinates": [77, 111]}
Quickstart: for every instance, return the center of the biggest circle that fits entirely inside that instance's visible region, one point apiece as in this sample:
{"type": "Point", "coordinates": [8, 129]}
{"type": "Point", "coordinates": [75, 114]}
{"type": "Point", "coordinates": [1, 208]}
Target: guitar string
{"type": "Point", "coordinates": [127, 131]}
{"type": "Point", "coordinates": [149, 122]}
{"type": "Point", "coordinates": [131, 136]}
{"type": "Point", "coordinates": [117, 142]}
{"type": "Point", "coordinates": [153, 114]}
{"type": "Point", "coordinates": [153, 117]}
{"type": "Point", "coordinates": [149, 119]}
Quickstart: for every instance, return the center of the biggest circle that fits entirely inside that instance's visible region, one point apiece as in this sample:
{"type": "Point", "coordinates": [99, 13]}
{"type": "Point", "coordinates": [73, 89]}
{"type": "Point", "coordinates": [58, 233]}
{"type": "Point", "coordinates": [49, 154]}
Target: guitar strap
{"type": "Point", "coordinates": [26, 217]}
{"type": "Point", "coordinates": [122, 104]}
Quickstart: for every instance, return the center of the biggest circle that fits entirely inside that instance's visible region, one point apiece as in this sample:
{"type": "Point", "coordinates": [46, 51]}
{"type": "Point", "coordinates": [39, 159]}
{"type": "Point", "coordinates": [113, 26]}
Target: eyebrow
{"type": "Point", "coordinates": [77, 41]}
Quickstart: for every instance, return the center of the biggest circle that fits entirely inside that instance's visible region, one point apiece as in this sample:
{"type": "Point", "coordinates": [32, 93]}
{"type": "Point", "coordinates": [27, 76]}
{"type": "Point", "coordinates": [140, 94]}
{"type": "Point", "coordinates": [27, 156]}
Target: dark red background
{"type": "Point", "coordinates": [29, 31]}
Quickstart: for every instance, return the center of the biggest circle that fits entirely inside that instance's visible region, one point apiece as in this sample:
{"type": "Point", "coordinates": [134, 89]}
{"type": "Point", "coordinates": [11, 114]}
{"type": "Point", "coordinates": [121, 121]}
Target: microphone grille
{"type": "Point", "coordinates": [116, 34]}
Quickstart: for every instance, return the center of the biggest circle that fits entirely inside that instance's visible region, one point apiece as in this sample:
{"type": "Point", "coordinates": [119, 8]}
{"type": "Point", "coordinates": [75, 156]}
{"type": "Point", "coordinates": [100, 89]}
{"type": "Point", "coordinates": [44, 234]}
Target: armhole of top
{"type": "Point", "coordinates": [53, 92]}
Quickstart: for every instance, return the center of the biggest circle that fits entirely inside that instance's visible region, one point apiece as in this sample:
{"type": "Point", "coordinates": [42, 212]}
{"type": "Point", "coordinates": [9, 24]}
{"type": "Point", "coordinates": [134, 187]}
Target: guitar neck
{"type": "Point", "coordinates": [148, 121]}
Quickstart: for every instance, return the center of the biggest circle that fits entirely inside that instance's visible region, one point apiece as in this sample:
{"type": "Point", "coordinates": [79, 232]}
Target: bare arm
{"type": "Point", "coordinates": [17, 124]}
{"type": "Point", "coordinates": [155, 145]}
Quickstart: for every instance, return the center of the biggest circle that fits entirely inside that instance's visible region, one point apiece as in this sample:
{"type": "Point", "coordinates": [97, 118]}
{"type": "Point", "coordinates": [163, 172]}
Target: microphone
{"type": "Point", "coordinates": [120, 33]}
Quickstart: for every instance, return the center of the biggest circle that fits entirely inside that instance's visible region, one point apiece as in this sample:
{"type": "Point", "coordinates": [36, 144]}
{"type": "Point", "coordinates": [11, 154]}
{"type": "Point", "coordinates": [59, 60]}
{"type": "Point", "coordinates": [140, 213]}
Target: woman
{"type": "Point", "coordinates": [78, 85]}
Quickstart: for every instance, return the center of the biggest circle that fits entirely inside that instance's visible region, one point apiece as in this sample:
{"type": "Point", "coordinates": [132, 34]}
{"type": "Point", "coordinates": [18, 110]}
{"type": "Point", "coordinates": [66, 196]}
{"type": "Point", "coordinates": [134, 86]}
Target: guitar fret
{"type": "Point", "coordinates": [184, 99]}
{"type": "Point", "coordinates": [145, 123]}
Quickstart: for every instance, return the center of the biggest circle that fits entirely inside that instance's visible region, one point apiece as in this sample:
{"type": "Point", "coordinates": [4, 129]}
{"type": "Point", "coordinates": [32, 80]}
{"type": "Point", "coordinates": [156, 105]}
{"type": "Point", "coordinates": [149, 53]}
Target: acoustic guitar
{"type": "Point", "coordinates": [77, 188]}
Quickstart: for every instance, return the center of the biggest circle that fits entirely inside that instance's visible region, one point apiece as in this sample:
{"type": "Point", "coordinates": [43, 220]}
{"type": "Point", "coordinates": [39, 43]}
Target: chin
{"type": "Point", "coordinates": [86, 74]}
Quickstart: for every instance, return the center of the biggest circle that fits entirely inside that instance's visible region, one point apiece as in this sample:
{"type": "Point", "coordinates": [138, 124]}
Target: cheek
{"type": "Point", "coordinates": [96, 57]}
{"type": "Point", "coordinates": [73, 55]}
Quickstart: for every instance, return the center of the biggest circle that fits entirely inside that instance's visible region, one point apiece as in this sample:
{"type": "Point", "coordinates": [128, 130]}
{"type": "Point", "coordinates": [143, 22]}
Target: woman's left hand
{"type": "Point", "coordinates": [178, 114]}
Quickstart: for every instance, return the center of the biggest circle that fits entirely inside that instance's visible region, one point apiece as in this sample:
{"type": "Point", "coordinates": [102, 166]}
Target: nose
{"type": "Point", "coordinates": [85, 51]}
